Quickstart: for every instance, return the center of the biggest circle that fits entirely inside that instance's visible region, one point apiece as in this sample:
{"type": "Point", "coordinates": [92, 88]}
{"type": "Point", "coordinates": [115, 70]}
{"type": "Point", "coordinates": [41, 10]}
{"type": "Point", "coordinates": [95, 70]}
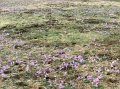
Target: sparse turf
{"type": "Point", "coordinates": [59, 44]}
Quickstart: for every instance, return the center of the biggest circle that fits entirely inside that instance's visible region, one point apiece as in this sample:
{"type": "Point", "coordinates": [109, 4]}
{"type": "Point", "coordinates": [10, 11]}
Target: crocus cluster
{"type": "Point", "coordinates": [96, 81]}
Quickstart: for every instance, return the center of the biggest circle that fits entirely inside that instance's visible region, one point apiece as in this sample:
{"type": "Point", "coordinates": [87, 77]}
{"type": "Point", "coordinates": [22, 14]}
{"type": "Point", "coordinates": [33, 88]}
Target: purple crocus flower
{"type": "Point", "coordinates": [75, 66]}
{"type": "Point", "coordinates": [1, 71]}
{"type": "Point", "coordinates": [29, 54]}
{"type": "Point", "coordinates": [19, 61]}
{"type": "Point", "coordinates": [45, 56]}
{"type": "Point", "coordinates": [61, 86]}
{"type": "Point", "coordinates": [60, 52]}
{"type": "Point", "coordinates": [117, 71]}
{"type": "Point", "coordinates": [5, 67]}
{"type": "Point", "coordinates": [79, 77]}
{"type": "Point", "coordinates": [2, 75]}
{"type": "Point", "coordinates": [96, 80]}
{"type": "Point", "coordinates": [98, 70]}
{"type": "Point", "coordinates": [65, 73]}
{"type": "Point", "coordinates": [9, 60]}
{"type": "Point", "coordinates": [32, 63]}
{"type": "Point", "coordinates": [100, 76]}
{"type": "Point", "coordinates": [50, 69]}
{"type": "Point", "coordinates": [89, 77]}
{"type": "Point", "coordinates": [61, 81]}
{"type": "Point", "coordinates": [27, 67]}
{"type": "Point", "coordinates": [80, 59]}
{"type": "Point", "coordinates": [0, 60]}
{"type": "Point", "coordinates": [96, 84]}
{"type": "Point", "coordinates": [39, 72]}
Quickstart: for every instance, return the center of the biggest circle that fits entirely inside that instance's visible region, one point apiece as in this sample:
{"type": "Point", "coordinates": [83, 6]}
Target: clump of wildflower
{"type": "Point", "coordinates": [63, 65]}
{"type": "Point", "coordinates": [80, 59]}
{"type": "Point", "coordinates": [96, 82]}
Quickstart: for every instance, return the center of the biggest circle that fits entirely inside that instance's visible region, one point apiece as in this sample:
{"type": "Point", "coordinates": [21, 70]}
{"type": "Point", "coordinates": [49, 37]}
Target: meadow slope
{"type": "Point", "coordinates": [59, 44]}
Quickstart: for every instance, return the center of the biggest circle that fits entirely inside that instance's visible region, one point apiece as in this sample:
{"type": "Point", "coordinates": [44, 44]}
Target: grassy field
{"type": "Point", "coordinates": [59, 44]}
